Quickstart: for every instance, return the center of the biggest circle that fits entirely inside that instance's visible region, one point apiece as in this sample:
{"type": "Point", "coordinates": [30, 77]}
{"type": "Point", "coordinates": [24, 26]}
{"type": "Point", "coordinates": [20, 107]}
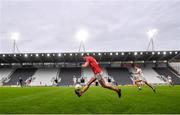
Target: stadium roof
{"type": "Point", "coordinates": [100, 56]}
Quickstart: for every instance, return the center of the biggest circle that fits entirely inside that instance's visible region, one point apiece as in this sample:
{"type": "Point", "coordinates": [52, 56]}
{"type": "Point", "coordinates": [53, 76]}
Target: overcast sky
{"type": "Point", "coordinates": [113, 25]}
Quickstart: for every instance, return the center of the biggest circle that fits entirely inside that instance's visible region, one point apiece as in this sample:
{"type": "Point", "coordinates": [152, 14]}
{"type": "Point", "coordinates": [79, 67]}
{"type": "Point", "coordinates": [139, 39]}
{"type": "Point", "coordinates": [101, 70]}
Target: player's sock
{"type": "Point", "coordinates": [119, 93]}
{"type": "Point", "coordinates": [154, 90]}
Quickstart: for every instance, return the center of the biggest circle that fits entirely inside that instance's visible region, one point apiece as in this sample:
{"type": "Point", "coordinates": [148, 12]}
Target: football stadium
{"type": "Point", "coordinates": [89, 57]}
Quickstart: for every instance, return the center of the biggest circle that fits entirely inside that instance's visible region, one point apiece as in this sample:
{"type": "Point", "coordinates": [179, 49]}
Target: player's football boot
{"type": "Point", "coordinates": [78, 93]}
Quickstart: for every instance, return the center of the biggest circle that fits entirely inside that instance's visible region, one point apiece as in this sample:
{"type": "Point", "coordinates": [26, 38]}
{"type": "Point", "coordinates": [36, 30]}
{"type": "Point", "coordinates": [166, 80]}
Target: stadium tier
{"type": "Point", "coordinates": [45, 68]}
{"type": "Point", "coordinates": [87, 73]}
{"type": "Point", "coordinates": [120, 75]}
{"type": "Point", "coordinates": [175, 66]}
{"type": "Point", "coordinates": [151, 76]}
{"type": "Point", "coordinates": [5, 74]}
{"type": "Point", "coordinates": [43, 77]}
{"type": "Point", "coordinates": [24, 73]}
{"type": "Point", "coordinates": [168, 72]}
{"type": "Point", "coordinates": [66, 75]}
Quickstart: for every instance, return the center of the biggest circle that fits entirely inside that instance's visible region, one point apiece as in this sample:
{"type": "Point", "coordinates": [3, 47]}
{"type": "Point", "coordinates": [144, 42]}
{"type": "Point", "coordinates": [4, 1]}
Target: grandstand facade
{"type": "Point", "coordinates": [63, 69]}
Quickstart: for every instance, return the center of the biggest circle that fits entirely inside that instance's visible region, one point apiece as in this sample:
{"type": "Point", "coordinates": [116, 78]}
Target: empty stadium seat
{"type": "Point", "coordinates": [151, 76]}
{"type": "Point", "coordinates": [165, 72]}
{"type": "Point", "coordinates": [120, 75]}
{"type": "Point", "coordinates": [66, 75]}
{"type": "Point", "coordinates": [24, 73]}
{"type": "Point", "coordinates": [43, 77]}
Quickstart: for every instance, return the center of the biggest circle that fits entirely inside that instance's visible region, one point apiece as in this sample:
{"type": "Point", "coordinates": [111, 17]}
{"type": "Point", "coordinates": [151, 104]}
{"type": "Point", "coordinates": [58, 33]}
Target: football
{"type": "Point", "coordinates": [78, 87]}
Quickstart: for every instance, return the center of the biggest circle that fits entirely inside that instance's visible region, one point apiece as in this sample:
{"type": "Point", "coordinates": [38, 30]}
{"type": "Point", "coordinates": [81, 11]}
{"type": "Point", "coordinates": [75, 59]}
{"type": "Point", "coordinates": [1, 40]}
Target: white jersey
{"type": "Point", "coordinates": [139, 74]}
{"type": "Point", "coordinates": [169, 79]}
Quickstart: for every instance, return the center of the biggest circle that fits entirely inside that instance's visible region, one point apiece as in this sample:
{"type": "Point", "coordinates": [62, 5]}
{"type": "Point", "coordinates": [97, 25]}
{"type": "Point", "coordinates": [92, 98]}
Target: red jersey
{"type": "Point", "coordinates": [93, 64]}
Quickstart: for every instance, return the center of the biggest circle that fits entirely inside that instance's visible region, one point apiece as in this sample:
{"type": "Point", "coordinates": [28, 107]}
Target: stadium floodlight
{"type": "Point", "coordinates": [70, 54]}
{"type": "Point", "coordinates": [111, 54]}
{"type": "Point", "coordinates": [94, 54]}
{"type": "Point", "coordinates": [4, 55]}
{"type": "Point", "coordinates": [164, 53]}
{"type": "Point", "coordinates": [152, 33]}
{"type": "Point", "coordinates": [37, 55]}
{"type": "Point", "coordinates": [25, 55]}
{"type": "Point", "coordinates": [48, 55]}
{"type": "Point", "coordinates": [176, 52]}
{"type": "Point", "coordinates": [135, 53]}
{"type": "Point", "coordinates": [170, 52]}
{"type": "Point", "coordinates": [82, 35]}
{"type": "Point", "coordinates": [14, 35]}
{"type": "Point", "coordinates": [117, 53]}
{"type": "Point", "coordinates": [122, 53]}
{"type": "Point", "coordinates": [99, 54]}
{"type": "Point", "coordinates": [153, 53]}
{"type": "Point", "coordinates": [59, 55]}
{"type": "Point", "coordinates": [14, 55]}
{"type": "Point", "coordinates": [159, 53]}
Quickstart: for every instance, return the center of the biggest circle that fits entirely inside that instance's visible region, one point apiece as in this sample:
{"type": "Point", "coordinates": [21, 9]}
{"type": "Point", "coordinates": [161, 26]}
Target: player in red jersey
{"type": "Point", "coordinates": [98, 75]}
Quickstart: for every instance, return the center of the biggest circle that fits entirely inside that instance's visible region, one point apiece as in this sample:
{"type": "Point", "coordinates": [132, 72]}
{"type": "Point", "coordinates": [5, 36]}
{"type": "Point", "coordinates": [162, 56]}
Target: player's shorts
{"type": "Point", "coordinates": [98, 76]}
{"type": "Point", "coordinates": [169, 81]}
{"type": "Point", "coordinates": [140, 78]}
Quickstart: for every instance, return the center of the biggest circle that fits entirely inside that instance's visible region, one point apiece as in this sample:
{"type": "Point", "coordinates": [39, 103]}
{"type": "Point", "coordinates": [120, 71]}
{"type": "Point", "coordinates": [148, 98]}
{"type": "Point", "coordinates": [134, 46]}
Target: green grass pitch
{"type": "Point", "coordinates": [97, 100]}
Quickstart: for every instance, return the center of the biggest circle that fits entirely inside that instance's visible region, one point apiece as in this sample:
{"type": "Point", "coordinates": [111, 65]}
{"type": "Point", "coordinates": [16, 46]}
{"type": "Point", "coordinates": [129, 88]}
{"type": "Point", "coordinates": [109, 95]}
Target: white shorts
{"type": "Point", "coordinates": [98, 76]}
{"type": "Point", "coordinates": [140, 78]}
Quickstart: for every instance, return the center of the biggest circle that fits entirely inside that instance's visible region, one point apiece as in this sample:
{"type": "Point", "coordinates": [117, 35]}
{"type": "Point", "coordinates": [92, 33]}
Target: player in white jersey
{"type": "Point", "coordinates": [169, 81]}
{"type": "Point", "coordinates": [139, 78]}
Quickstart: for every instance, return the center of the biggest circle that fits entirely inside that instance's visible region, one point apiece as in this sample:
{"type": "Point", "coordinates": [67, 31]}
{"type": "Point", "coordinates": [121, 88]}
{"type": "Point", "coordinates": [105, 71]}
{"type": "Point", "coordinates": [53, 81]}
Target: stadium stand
{"type": "Point", "coordinates": [43, 77]}
{"type": "Point", "coordinates": [175, 66]}
{"type": "Point", "coordinates": [151, 76]}
{"type": "Point", "coordinates": [165, 72]}
{"type": "Point", "coordinates": [87, 73]}
{"type": "Point", "coordinates": [5, 73]}
{"type": "Point", "coordinates": [66, 75]}
{"type": "Point", "coordinates": [73, 60]}
{"type": "Point", "coordinates": [120, 75]}
{"type": "Point", "coordinates": [24, 73]}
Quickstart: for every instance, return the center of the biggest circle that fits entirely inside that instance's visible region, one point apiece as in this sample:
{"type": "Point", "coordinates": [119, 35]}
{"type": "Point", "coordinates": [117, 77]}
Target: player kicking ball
{"type": "Point", "coordinates": [98, 75]}
{"type": "Point", "coordinates": [138, 78]}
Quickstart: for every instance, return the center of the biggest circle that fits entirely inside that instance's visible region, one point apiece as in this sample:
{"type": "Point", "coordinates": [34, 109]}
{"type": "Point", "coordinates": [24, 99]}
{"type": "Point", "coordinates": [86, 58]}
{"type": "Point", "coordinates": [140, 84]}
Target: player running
{"type": "Point", "coordinates": [98, 75]}
{"type": "Point", "coordinates": [138, 78]}
{"type": "Point", "coordinates": [169, 80]}
{"type": "Point", "coordinates": [21, 82]}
